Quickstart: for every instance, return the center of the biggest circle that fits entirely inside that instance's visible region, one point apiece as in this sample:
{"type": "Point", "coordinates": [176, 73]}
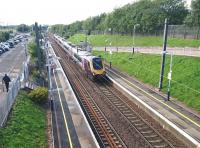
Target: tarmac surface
{"type": "Point", "coordinates": [11, 63]}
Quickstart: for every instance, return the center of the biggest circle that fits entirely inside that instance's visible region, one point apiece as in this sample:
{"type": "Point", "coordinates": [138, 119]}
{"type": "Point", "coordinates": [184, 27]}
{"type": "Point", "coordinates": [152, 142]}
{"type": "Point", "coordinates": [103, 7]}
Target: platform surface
{"type": "Point", "coordinates": [70, 127]}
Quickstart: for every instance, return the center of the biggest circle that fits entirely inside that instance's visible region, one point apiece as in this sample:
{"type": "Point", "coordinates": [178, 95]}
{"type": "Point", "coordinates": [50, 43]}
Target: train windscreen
{"type": "Point", "coordinates": [97, 63]}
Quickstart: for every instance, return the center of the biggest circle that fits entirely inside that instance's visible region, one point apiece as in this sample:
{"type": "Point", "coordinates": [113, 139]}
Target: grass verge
{"type": "Point", "coordinates": [185, 84]}
{"type": "Point", "coordinates": [119, 40]}
{"type": "Point", "coordinates": [26, 125]}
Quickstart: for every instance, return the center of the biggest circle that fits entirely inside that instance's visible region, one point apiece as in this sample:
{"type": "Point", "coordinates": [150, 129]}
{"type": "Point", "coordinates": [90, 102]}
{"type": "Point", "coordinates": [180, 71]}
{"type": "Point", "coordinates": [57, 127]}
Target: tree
{"type": "Point", "coordinates": [193, 19]}
{"type": "Point", "coordinates": [23, 28]}
{"type": "Point", "coordinates": [150, 14]}
{"type": "Point", "coordinates": [4, 35]}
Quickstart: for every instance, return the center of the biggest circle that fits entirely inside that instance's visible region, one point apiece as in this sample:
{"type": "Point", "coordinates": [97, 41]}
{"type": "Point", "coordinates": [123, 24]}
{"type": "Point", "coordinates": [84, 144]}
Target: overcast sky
{"type": "Point", "coordinates": [54, 11]}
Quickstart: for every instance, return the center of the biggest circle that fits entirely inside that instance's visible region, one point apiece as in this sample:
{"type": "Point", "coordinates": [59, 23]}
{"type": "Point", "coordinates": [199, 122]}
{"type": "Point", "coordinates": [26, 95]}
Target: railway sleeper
{"type": "Point", "coordinates": [161, 146]}
{"type": "Point", "coordinates": [104, 122]}
{"type": "Point", "coordinates": [109, 96]}
{"type": "Point", "coordinates": [117, 142]}
{"type": "Point", "coordinates": [108, 128]}
{"type": "Point", "coordinates": [103, 138]}
{"type": "Point", "coordinates": [131, 117]}
{"type": "Point", "coordinates": [135, 121]}
{"type": "Point", "coordinates": [111, 133]}
{"type": "Point", "coordinates": [126, 111]}
{"type": "Point", "coordinates": [159, 140]}
{"type": "Point", "coordinates": [101, 118]}
{"type": "Point", "coordinates": [139, 124]}
{"type": "Point", "coordinates": [118, 104]}
{"type": "Point", "coordinates": [131, 114]}
{"type": "Point", "coordinates": [114, 100]}
{"type": "Point", "coordinates": [151, 136]}
{"type": "Point", "coordinates": [143, 128]}
{"type": "Point", "coordinates": [123, 107]}
{"type": "Point", "coordinates": [147, 132]}
{"type": "Point", "coordinates": [114, 138]}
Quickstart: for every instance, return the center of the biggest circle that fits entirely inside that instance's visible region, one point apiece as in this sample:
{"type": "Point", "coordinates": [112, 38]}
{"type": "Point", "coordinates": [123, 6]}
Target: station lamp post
{"type": "Point", "coordinates": [110, 55]}
{"type": "Point", "coordinates": [134, 28]}
{"type": "Point", "coordinates": [105, 45]}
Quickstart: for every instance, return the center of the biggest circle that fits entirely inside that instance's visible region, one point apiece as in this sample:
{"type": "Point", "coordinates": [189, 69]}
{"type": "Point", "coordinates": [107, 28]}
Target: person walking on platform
{"type": "Point", "coordinates": [6, 80]}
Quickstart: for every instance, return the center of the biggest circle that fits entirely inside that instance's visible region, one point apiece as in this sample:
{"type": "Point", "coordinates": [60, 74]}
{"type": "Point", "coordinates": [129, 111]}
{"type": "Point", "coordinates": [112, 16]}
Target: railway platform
{"type": "Point", "coordinates": [70, 127]}
{"type": "Point", "coordinates": [173, 116]}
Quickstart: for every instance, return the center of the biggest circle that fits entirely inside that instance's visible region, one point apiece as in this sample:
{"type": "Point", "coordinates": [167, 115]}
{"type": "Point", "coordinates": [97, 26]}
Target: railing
{"type": "Point", "coordinates": [8, 98]}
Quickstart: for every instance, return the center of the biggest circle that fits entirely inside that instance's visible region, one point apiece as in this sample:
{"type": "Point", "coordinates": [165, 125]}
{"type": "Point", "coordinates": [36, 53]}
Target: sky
{"type": "Point", "coordinates": [54, 11]}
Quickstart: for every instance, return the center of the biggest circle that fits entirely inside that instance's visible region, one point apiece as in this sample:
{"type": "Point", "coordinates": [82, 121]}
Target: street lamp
{"type": "Point", "coordinates": [105, 45]}
{"type": "Point", "coordinates": [110, 55]}
{"type": "Point", "coordinates": [134, 28]}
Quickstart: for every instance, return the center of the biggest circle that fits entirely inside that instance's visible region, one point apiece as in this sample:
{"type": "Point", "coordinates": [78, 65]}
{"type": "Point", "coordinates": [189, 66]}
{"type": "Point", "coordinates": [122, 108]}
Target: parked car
{"type": "Point", "coordinates": [1, 51]}
{"type": "Point", "coordinates": [4, 47]}
{"type": "Point", "coordinates": [7, 44]}
{"type": "Point", "coordinates": [11, 44]}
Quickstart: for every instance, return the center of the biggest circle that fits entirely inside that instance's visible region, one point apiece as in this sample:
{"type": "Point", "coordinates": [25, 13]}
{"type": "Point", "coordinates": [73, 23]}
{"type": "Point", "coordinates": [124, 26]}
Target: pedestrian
{"type": "Point", "coordinates": [6, 80]}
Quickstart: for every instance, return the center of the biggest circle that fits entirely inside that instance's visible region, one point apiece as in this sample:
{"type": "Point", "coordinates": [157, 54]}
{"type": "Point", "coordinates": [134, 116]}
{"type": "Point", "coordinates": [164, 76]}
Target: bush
{"type": "Point", "coordinates": [39, 95]}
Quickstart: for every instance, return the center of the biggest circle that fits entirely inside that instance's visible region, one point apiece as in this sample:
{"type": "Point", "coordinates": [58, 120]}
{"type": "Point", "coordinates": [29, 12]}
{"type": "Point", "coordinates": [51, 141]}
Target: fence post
{"type": "Point", "coordinates": [185, 32]}
{"type": "Point", "coordinates": [198, 33]}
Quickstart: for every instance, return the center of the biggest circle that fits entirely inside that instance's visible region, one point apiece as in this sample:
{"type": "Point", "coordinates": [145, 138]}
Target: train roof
{"type": "Point", "coordinates": [82, 53]}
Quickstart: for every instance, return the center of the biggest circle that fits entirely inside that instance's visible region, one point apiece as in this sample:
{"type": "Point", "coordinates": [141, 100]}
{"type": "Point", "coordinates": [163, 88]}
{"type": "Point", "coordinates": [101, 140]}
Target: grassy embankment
{"type": "Point", "coordinates": [118, 40]}
{"type": "Point", "coordinates": [185, 84]}
{"type": "Point", "coordinates": [26, 125]}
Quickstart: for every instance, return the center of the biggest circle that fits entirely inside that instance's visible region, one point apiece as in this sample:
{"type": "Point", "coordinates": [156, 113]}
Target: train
{"type": "Point", "coordinates": [93, 66]}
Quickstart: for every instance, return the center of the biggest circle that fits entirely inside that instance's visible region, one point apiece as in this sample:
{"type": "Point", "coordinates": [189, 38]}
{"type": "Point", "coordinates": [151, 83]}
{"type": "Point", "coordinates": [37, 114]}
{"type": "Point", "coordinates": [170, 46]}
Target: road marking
{"type": "Point", "coordinates": [184, 116]}
{"type": "Point", "coordinates": [66, 124]}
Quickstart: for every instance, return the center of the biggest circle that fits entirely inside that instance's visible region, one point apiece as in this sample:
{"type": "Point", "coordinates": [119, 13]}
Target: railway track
{"type": "Point", "coordinates": [108, 137]}
{"type": "Point", "coordinates": [143, 128]}
{"type": "Point", "coordinates": [103, 102]}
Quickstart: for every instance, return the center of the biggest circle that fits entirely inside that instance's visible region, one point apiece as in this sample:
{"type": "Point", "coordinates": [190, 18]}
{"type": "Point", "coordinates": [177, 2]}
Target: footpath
{"type": "Point", "coordinates": [184, 51]}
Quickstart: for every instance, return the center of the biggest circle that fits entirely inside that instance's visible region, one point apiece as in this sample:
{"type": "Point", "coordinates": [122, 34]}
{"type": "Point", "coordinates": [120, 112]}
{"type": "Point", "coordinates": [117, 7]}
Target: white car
{"type": "Point", "coordinates": [5, 47]}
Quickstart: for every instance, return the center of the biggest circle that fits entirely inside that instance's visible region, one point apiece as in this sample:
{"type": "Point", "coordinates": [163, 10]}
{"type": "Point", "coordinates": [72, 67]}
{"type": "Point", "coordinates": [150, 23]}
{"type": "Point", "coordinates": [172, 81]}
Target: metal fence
{"type": "Point", "coordinates": [182, 31]}
{"type": "Point", "coordinates": [7, 99]}
{"type": "Point", "coordinates": [174, 31]}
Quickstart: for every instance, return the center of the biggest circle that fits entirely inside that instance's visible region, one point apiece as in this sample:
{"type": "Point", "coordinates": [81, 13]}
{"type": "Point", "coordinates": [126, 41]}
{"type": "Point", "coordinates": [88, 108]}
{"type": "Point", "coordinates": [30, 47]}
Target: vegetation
{"type": "Point", "coordinates": [185, 84]}
{"type": "Point", "coordinates": [193, 19]}
{"type": "Point", "coordinates": [32, 49]}
{"type": "Point", "coordinates": [23, 28]}
{"type": "Point", "coordinates": [26, 125]}
{"type": "Point", "coordinates": [119, 40]}
{"type": "Point", "coordinates": [4, 35]}
{"type": "Point", "coordinates": [150, 14]}
{"type": "Point", "coordinates": [39, 95]}
{"type": "Point", "coordinates": [36, 75]}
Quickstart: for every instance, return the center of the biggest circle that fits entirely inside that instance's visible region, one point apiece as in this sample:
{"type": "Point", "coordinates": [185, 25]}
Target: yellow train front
{"type": "Point", "coordinates": [94, 67]}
